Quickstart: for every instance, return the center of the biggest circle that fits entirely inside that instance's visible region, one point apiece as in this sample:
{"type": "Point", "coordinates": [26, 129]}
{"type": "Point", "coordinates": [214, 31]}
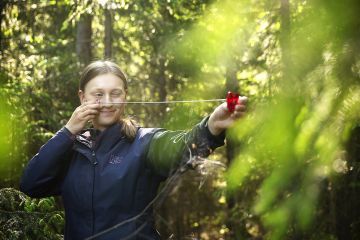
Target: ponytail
{"type": "Point", "coordinates": [129, 128]}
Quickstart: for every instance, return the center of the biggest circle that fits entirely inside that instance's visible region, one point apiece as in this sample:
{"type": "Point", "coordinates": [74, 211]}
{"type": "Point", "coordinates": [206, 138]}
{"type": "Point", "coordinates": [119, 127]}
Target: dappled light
{"type": "Point", "coordinates": [290, 165]}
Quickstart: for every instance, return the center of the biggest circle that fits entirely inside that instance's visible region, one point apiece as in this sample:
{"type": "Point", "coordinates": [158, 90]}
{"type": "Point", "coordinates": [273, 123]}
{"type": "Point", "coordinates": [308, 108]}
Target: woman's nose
{"type": "Point", "coordinates": [107, 100]}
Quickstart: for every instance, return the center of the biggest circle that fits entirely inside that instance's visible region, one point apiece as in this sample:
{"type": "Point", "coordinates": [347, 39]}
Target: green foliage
{"type": "Point", "coordinates": [24, 218]}
{"type": "Point", "coordinates": [292, 160]}
{"type": "Point", "coordinates": [5, 132]}
{"type": "Point", "coordinates": [298, 136]}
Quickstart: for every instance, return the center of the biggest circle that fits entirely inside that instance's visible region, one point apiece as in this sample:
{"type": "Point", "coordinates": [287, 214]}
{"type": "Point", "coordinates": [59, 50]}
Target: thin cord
{"type": "Point", "coordinates": [168, 183]}
{"type": "Point", "coordinates": [168, 102]}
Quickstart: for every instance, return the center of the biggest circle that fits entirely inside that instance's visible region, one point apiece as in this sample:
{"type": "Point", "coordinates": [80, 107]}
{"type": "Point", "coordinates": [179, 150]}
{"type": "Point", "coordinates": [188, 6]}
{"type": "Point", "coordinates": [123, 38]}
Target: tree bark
{"type": "Point", "coordinates": [285, 38]}
{"type": "Point", "coordinates": [159, 86]}
{"type": "Point", "coordinates": [161, 83]}
{"type": "Point", "coordinates": [231, 84]}
{"type": "Point", "coordinates": [2, 8]}
{"type": "Point", "coordinates": [108, 34]}
{"type": "Point", "coordinates": [83, 39]}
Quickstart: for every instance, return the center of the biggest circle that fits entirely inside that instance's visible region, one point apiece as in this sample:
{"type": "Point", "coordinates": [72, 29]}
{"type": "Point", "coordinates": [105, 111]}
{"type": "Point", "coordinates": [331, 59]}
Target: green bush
{"type": "Point", "coordinates": [24, 218]}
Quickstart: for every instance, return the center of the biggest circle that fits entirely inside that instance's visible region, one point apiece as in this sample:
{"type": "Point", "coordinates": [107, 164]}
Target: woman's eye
{"type": "Point", "coordinates": [98, 94]}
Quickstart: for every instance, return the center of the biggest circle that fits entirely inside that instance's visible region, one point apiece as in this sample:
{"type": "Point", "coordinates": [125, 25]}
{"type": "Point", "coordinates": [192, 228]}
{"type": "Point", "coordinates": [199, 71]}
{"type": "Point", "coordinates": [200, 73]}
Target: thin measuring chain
{"type": "Point", "coordinates": [168, 102]}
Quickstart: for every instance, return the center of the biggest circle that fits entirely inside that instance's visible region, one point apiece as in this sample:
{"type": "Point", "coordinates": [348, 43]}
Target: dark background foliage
{"type": "Point", "coordinates": [293, 162]}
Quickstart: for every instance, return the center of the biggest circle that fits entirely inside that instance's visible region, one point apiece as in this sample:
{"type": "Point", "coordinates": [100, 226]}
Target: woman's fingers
{"type": "Point", "coordinates": [237, 114]}
{"type": "Point", "coordinates": [240, 108]}
{"type": "Point", "coordinates": [242, 100]}
{"type": "Point", "coordinates": [88, 111]}
{"type": "Point", "coordinates": [82, 114]}
{"type": "Point", "coordinates": [89, 117]}
{"type": "Point", "coordinates": [86, 106]}
{"type": "Point", "coordinates": [92, 112]}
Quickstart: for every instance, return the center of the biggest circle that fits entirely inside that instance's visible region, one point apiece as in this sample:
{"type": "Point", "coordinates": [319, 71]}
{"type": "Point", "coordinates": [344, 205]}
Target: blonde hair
{"type": "Point", "coordinates": [129, 126]}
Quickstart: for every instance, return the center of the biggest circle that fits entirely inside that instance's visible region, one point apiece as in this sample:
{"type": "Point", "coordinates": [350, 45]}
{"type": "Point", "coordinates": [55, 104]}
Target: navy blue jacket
{"type": "Point", "coordinates": [111, 179]}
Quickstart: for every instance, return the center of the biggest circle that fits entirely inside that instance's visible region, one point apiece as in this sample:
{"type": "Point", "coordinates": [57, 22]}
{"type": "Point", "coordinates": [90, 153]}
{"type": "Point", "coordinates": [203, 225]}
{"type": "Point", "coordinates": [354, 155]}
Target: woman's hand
{"type": "Point", "coordinates": [82, 114]}
{"type": "Point", "coordinates": [222, 119]}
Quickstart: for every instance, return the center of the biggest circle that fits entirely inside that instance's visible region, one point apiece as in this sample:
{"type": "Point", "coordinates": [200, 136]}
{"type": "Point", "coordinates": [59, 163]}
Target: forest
{"type": "Point", "coordinates": [290, 169]}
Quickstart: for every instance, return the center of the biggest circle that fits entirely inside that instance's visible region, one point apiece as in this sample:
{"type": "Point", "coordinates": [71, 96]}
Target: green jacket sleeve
{"type": "Point", "coordinates": [170, 149]}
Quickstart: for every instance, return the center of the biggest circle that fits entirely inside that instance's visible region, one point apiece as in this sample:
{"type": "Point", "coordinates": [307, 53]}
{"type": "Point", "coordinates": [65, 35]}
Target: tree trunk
{"type": "Point", "coordinates": [108, 34]}
{"type": "Point", "coordinates": [2, 10]}
{"type": "Point", "coordinates": [161, 84]}
{"type": "Point", "coordinates": [232, 84]}
{"type": "Point", "coordinates": [83, 39]}
{"type": "Point", "coordinates": [285, 38]}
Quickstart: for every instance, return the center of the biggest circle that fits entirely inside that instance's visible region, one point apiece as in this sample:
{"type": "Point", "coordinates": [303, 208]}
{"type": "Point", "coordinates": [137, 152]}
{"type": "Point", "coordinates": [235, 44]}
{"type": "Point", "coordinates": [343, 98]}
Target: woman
{"type": "Point", "coordinates": [111, 172]}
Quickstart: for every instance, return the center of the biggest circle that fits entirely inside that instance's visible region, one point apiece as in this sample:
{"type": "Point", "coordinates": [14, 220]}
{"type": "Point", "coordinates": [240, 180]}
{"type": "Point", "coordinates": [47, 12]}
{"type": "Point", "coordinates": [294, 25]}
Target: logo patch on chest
{"type": "Point", "coordinates": [114, 159]}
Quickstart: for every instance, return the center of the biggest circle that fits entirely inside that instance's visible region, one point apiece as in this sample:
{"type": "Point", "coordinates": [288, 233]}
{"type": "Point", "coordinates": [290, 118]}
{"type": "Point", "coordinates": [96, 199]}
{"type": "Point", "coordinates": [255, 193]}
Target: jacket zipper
{"type": "Point", "coordinates": [94, 163]}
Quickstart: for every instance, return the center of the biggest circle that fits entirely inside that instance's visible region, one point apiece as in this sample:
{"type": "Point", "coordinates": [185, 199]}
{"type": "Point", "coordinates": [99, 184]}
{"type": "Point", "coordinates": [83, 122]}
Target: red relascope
{"type": "Point", "coordinates": [231, 100]}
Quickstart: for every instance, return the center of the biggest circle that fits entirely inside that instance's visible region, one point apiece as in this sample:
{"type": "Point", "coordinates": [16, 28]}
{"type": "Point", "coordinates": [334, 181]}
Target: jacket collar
{"type": "Point", "coordinates": [101, 141]}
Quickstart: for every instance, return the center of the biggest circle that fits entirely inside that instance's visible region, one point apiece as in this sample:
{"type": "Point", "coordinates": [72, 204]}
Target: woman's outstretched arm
{"type": "Point", "coordinates": [169, 149]}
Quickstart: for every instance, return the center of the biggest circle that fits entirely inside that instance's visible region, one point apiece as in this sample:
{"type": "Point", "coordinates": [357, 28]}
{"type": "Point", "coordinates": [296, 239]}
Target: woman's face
{"type": "Point", "coordinates": [105, 89]}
